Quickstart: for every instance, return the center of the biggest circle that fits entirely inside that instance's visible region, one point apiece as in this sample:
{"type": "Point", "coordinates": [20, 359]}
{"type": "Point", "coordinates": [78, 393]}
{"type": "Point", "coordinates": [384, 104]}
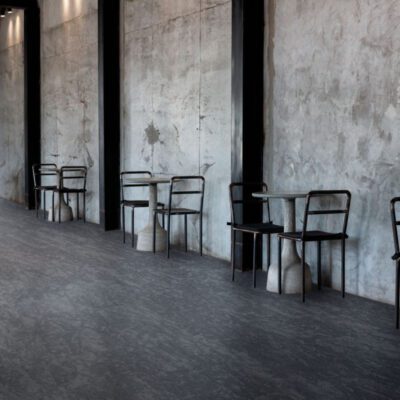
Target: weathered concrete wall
{"type": "Point", "coordinates": [336, 122]}
{"type": "Point", "coordinates": [176, 98]}
{"type": "Point", "coordinates": [70, 89]}
{"type": "Point", "coordinates": [12, 107]}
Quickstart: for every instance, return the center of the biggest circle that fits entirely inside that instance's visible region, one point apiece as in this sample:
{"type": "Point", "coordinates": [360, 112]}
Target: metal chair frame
{"type": "Point", "coordinates": [73, 173]}
{"type": "Point", "coordinates": [133, 203]}
{"type": "Point", "coordinates": [169, 211]}
{"type": "Point", "coordinates": [39, 188]}
{"type": "Point", "coordinates": [258, 229]}
{"type": "Point", "coordinates": [319, 236]}
{"type": "Point", "coordinates": [396, 255]}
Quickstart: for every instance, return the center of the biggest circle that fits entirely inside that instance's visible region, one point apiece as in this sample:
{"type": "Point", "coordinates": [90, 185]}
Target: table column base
{"type": "Point", "coordinates": [145, 239]}
{"type": "Point", "coordinates": [291, 278]}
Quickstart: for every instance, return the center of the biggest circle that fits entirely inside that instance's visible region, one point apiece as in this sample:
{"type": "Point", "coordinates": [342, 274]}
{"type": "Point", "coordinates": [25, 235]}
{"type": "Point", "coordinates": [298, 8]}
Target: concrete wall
{"type": "Point", "coordinates": [176, 99]}
{"type": "Point", "coordinates": [335, 103]}
{"type": "Point", "coordinates": [12, 107]}
{"type": "Point", "coordinates": [70, 89]}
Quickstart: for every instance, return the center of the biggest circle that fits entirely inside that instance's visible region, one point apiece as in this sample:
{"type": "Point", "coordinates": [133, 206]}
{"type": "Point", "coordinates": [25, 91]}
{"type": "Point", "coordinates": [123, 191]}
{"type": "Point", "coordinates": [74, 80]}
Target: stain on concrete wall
{"type": "Point", "coordinates": [70, 90]}
{"type": "Point", "coordinates": [177, 104]}
{"type": "Point", "coordinates": [336, 123]}
{"type": "Point", "coordinates": [12, 107]}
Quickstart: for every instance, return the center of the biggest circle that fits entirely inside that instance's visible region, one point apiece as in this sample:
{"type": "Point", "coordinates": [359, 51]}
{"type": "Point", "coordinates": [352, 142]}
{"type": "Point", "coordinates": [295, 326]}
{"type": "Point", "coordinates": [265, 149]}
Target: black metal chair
{"type": "Point", "coordinates": [396, 255]}
{"type": "Point", "coordinates": [124, 176]}
{"type": "Point", "coordinates": [240, 195]}
{"type": "Point", "coordinates": [76, 177]}
{"type": "Point", "coordinates": [179, 187]}
{"type": "Point", "coordinates": [319, 236]}
{"type": "Point", "coordinates": [39, 171]}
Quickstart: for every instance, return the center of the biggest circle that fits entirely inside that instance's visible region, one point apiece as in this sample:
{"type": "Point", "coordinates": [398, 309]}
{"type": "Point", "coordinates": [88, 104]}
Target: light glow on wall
{"type": "Point", "coordinates": [71, 9]}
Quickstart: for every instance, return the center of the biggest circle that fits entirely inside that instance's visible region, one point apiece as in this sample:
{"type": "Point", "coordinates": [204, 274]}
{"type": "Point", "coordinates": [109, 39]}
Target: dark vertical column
{"type": "Point", "coordinates": [31, 97]}
{"type": "Point", "coordinates": [109, 112]}
{"type": "Point", "coordinates": [247, 106]}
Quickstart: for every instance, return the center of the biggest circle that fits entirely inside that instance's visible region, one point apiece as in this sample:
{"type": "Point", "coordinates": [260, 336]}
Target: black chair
{"type": "Point", "coordinates": [319, 236]}
{"type": "Point", "coordinates": [396, 255]}
{"type": "Point", "coordinates": [39, 171]}
{"type": "Point", "coordinates": [124, 176]}
{"type": "Point", "coordinates": [240, 195]}
{"type": "Point", "coordinates": [182, 186]}
{"type": "Point", "coordinates": [76, 177]}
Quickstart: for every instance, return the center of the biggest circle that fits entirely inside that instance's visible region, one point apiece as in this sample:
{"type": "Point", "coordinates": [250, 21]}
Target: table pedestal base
{"type": "Point", "coordinates": [291, 278]}
{"type": "Point", "coordinates": [66, 211]}
{"type": "Point", "coordinates": [145, 238]}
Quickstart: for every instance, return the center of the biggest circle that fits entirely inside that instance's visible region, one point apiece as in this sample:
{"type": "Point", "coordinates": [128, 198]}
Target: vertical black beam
{"type": "Point", "coordinates": [109, 112]}
{"type": "Point", "coordinates": [247, 106]}
{"type": "Point", "coordinates": [31, 97]}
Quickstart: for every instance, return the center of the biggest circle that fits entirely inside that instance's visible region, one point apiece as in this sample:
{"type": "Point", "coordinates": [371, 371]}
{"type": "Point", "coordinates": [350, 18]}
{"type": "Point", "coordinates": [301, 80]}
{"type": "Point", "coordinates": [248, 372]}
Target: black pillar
{"type": "Point", "coordinates": [247, 107]}
{"type": "Point", "coordinates": [32, 98]}
{"type": "Point", "coordinates": [109, 112]}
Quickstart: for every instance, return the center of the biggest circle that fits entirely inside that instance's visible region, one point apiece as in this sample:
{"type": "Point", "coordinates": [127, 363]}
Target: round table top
{"type": "Point", "coordinates": [147, 180]}
{"type": "Point", "coordinates": [280, 195]}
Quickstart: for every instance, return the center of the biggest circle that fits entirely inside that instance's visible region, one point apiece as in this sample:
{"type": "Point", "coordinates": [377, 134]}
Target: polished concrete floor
{"type": "Point", "coordinates": [84, 317]}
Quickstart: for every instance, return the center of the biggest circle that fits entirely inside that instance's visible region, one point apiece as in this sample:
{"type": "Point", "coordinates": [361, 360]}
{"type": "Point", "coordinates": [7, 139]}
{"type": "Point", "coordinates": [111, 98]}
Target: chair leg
{"type": "Point", "coordinates": [163, 220]}
{"type": "Point", "coordinates": [303, 265]}
{"type": "Point", "coordinates": [36, 203]}
{"type": "Point", "coordinates": [254, 259]}
{"type": "Point", "coordinates": [133, 226]}
{"type": "Point", "coordinates": [123, 223]}
{"type": "Point", "coordinates": [269, 250]}
{"type": "Point", "coordinates": [84, 207]}
{"type": "Point", "coordinates": [343, 268]}
{"type": "Point", "coordinates": [397, 294]}
{"type": "Point", "coordinates": [201, 234]}
{"type": "Point", "coordinates": [280, 266]}
{"type": "Point", "coordinates": [154, 231]}
{"type": "Point", "coordinates": [77, 206]}
{"type": "Point", "coordinates": [59, 207]}
{"type": "Point", "coordinates": [233, 248]}
{"type": "Point", "coordinates": [67, 198]}
{"type": "Point", "coordinates": [44, 205]}
{"type": "Point", "coordinates": [186, 238]}
{"type": "Point", "coordinates": [319, 266]}
{"type": "Point", "coordinates": [52, 208]}
{"type": "Point", "coordinates": [168, 234]}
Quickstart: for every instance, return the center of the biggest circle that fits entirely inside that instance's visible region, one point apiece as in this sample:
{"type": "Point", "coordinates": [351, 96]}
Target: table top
{"type": "Point", "coordinates": [146, 180]}
{"type": "Point", "coordinates": [280, 195]}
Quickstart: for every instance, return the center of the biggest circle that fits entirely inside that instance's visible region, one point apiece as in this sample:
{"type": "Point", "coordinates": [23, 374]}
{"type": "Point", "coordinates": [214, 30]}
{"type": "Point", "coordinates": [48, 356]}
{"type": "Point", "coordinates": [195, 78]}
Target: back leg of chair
{"type": "Point", "coordinates": [168, 234]}
{"type": "Point", "coordinates": [186, 238]}
{"type": "Point", "coordinates": [133, 226]}
{"type": "Point", "coordinates": [154, 231]}
{"type": "Point", "coordinates": [123, 223]}
{"type": "Point", "coordinates": [77, 206]}
{"type": "Point", "coordinates": [233, 251]}
{"type": "Point", "coordinates": [201, 233]}
{"type": "Point", "coordinates": [268, 250]}
{"type": "Point", "coordinates": [52, 207]}
{"type": "Point", "coordinates": [343, 267]}
{"type": "Point", "coordinates": [303, 267]}
{"type": "Point", "coordinates": [59, 207]}
{"type": "Point", "coordinates": [319, 265]}
{"type": "Point", "coordinates": [84, 207]}
{"type": "Point", "coordinates": [397, 294]}
{"type": "Point", "coordinates": [254, 259]}
{"type": "Point", "coordinates": [44, 204]}
{"type": "Point", "coordinates": [279, 266]}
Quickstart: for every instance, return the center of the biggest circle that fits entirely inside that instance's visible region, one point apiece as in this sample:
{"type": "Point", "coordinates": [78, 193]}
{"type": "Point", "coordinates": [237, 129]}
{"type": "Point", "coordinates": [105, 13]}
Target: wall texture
{"type": "Point", "coordinates": [12, 107]}
{"type": "Point", "coordinates": [336, 121]}
{"type": "Point", "coordinates": [70, 90]}
{"type": "Point", "coordinates": [176, 96]}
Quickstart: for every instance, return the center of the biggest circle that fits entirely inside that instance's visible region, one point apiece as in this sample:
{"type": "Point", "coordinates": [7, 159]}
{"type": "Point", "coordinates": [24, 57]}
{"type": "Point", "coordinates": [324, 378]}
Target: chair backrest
{"type": "Point", "coordinates": [188, 185]}
{"type": "Point", "coordinates": [45, 169]}
{"type": "Point", "coordinates": [395, 223]}
{"type": "Point", "coordinates": [75, 175]}
{"type": "Point", "coordinates": [343, 194]}
{"type": "Point", "coordinates": [124, 175]}
{"type": "Point", "coordinates": [240, 194]}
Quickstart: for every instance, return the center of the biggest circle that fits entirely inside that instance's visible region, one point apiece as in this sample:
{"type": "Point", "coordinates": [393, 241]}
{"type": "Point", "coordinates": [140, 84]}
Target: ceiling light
{"type": "Point", "coordinates": [2, 13]}
{"type": "Point", "coordinates": [9, 11]}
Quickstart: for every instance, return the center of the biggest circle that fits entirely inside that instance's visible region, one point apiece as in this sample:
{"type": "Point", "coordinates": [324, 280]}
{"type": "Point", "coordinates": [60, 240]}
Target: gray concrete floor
{"type": "Point", "coordinates": [83, 316]}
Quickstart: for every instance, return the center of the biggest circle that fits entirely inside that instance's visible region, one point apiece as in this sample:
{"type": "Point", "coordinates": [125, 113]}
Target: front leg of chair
{"type": "Point", "coordinates": [186, 238]}
{"type": "Point", "coordinates": [133, 226]}
{"type": "Point", "coordinates": [77, 206]}
{"type": "Point", "coordinates": [233, 251]}
{"type": "Point", "coordinates": [303, 266]}
{"type": "Point", "coordinates": [201, 233]}
{"type": "Point", "coordinates": [343, 267]}
{"type": "Point", "coordinates": [84, 207]}
{"type": "Point", "coordinates": [52, 207]}
{"type": "Point", "coordinates": [59, 207]}
{"type": "Point", "coordinates": [168, 234]}
{"type": "Point", "coordinates": [36, 203]}
{"type": "Point", "coordinates": [123, 223]}
{"type": "Point", "coordinates": [397, 294]}
{"type": "Point", "coordinates": [280, 265]}
{"type": "Point", "coordinates": [269, 250]}
{"type": "Point", "coordinates": [44, 204]}
{"type": "Point", "coordinates": [154, 231]}
{"type": "Point", "coordinates": [319, 266]}
{"type": "Point", "coordinates": [254, 259]}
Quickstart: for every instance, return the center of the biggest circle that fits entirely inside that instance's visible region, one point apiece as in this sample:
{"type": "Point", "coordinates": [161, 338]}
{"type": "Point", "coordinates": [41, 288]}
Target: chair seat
{"type": "Point", "coordinates": [259, 228]}
{"type": "Point", "coordinates": [44, 187]}
{"type": "Point", "coordinates": [175, 211]}
{"type": "Point", "coordinates": [395, 256]}
{"type": "Point", "coordinates": [138, 203]}
{"type": "Point", "coordinates": [313, 236]}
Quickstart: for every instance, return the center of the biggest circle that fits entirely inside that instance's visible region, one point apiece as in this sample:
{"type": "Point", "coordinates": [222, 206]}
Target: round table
{"type": "Point", "coordinates": [145, 236]}
{"type": "Point", "coordinates": [66, 210]}
{"type": "Point", "coordinates": [291, 261]}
